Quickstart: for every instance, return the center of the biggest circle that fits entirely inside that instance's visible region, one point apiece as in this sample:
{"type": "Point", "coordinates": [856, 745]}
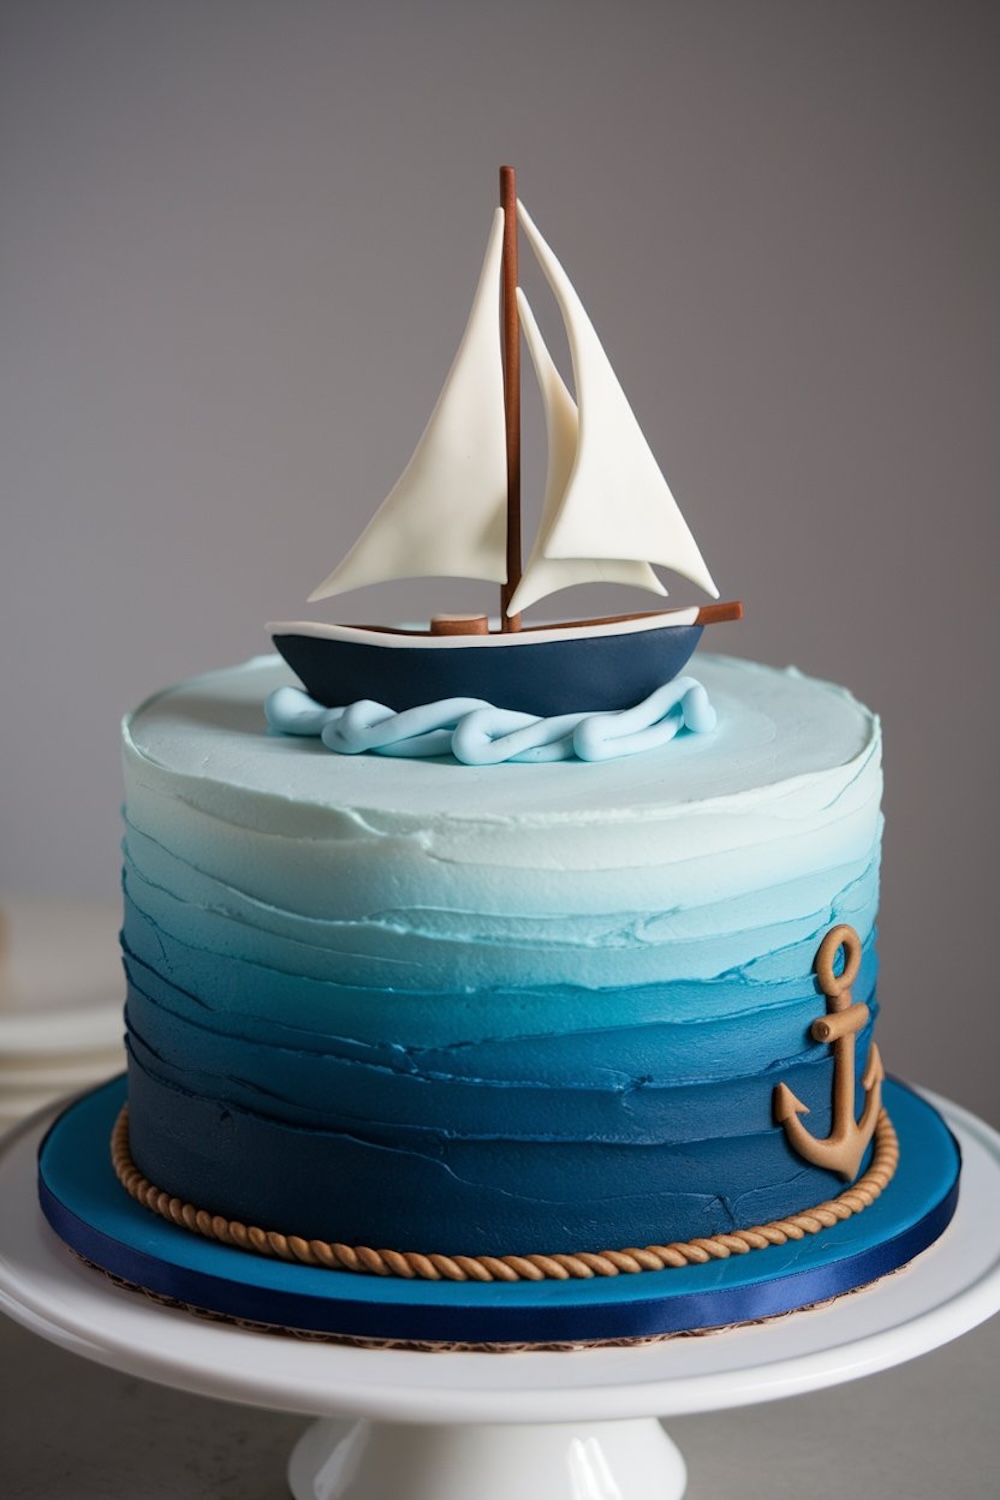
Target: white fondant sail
{"type": "Point", "coordinates": [608, 512]}
{"type": "Point", "coordinates": [446, 515]}
{"type": "Point", "coordinates": [543, 575]}
{"type": "Point", "coordinates": [617, 503]}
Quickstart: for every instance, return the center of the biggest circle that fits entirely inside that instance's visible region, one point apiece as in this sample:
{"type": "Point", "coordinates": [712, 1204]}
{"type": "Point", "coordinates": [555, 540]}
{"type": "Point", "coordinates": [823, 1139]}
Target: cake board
{"type": "Point", "coordinates": [533, 1424]}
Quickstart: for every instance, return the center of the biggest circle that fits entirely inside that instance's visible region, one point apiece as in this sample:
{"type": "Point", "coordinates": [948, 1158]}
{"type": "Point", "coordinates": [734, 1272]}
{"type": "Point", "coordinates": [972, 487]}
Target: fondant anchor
{"type": "Point", "coordinates": [841, 1151]}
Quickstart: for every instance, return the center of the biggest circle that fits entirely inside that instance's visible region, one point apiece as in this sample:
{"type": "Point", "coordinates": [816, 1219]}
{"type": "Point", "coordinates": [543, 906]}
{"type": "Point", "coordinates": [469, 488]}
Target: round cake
{"type": "Point", "coordinates": [519, 1010]}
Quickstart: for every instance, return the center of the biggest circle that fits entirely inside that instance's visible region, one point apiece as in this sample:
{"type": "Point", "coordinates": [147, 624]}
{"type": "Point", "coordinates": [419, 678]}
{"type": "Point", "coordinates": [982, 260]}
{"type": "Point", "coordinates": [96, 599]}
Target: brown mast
{"type": "Point", "coordinates": [511, 393]}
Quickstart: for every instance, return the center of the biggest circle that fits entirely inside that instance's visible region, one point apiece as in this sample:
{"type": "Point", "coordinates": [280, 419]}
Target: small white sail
{"type": "Point", "coordinates": [617, 503]}
{"type": "Point", "coordinates": [543, 575]}
{"type": "Point", "coordinates": [446, 515]}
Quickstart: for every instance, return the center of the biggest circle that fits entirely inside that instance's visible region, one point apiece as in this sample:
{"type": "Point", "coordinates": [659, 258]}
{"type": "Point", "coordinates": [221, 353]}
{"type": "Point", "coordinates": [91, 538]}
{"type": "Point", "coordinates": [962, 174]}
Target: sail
{"type": "Point", "coordinates": [446, 515]}
{"type": "Point", "coordinates": [543, 575]}
{"type": "Point", "coordinates": [617, 503]}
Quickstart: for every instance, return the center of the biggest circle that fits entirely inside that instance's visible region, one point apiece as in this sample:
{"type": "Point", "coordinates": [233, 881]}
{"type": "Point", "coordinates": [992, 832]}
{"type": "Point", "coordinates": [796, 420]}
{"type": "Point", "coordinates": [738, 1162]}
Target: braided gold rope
{"type": "Point", "coordinates": [583, 1265]}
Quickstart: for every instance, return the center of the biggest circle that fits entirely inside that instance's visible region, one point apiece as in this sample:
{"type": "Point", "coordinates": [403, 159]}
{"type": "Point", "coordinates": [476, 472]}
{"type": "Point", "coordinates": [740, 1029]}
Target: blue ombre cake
{"type": "Point", "coordinates": [522, 1009]}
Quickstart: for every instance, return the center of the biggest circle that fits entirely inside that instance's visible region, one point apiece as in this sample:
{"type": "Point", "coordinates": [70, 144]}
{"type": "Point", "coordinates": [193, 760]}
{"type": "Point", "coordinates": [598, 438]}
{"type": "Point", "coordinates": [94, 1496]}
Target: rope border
{"type": "Point", "coordinates": [585, 1264]}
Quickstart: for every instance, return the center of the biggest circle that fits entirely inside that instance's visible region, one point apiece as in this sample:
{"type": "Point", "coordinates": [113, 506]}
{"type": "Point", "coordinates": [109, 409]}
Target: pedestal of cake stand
{"type": "Point", "coordinates": [535, 1425]}
{"type": "Point", "coordinates": [479, 1461]}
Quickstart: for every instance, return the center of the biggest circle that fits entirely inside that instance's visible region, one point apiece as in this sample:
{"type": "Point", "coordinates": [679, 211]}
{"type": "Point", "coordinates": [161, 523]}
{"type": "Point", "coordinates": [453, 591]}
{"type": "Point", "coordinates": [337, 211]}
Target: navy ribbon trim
{"type": "Point", "coordinates": [352, 1315]}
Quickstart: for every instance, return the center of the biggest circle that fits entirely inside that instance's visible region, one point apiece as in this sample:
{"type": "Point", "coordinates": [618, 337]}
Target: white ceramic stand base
{"type": "Point", "coordinates": [520, 1426]}
{"type": "Point", "coordinates": [479, 1461]}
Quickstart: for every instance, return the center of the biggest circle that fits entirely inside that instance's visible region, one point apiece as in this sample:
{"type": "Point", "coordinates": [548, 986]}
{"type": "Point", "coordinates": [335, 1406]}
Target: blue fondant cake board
{"type": "Point", "coordinates": [92, 1213]}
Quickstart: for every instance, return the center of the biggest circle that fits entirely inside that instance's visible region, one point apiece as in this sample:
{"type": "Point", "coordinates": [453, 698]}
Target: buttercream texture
{"type": "Point", "coordinates": [505, 1010]}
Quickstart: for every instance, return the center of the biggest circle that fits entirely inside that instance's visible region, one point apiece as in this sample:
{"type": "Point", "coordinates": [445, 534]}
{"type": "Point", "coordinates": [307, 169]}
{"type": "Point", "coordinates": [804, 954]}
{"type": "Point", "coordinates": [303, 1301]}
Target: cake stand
{"type": "Point", "coordinates": [478, 1426]}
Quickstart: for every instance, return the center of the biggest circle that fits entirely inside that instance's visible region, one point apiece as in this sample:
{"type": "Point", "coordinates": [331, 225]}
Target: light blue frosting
{"type": "Point", "coordinates": [477, 734]}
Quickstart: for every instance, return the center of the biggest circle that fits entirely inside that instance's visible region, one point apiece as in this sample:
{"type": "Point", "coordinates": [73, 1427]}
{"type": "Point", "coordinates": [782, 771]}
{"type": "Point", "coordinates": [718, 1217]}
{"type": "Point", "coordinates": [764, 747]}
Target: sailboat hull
{"type": "Point", "coordinates": [570, 670]}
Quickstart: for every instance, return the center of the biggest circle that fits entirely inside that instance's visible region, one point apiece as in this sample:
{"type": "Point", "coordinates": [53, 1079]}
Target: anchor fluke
{"type": "Point", "coordinates": [787, 1105]}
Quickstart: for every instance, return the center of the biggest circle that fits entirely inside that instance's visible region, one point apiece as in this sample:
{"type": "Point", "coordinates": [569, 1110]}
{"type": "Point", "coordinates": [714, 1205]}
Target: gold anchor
{"type": "Point", "coordinates": [841, 1151]}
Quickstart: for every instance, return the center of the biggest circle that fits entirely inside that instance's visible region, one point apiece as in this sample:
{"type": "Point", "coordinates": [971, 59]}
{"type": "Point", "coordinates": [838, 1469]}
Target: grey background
{"type": "Point", "coordinates": [237, 248]}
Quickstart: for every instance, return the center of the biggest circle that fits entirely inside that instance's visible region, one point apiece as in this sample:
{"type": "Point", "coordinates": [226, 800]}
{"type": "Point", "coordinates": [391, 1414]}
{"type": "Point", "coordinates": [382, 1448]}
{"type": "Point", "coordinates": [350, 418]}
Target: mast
{"type": "Point", "coordinates": [511, 340]}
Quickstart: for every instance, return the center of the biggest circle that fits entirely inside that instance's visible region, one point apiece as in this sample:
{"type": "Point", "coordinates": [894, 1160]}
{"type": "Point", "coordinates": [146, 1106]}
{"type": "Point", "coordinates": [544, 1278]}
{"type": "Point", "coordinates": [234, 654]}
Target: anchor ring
{"type": "Point", "coordinates": [837, 986]}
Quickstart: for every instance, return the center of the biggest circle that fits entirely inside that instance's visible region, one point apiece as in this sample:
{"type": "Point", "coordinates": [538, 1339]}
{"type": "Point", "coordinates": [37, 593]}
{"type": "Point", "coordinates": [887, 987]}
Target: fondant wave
{"type": "Point", "coordinates": [478, 734]}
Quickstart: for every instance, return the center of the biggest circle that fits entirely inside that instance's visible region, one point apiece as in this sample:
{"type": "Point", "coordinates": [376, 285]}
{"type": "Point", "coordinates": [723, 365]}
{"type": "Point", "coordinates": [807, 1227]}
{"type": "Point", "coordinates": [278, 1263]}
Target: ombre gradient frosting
{"type": "Point", "coordinates": [426, 1006]}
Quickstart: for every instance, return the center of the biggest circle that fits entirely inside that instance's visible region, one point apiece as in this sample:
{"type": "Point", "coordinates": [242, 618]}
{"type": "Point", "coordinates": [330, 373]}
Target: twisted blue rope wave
{"type": "Point", "coordinates": [477, 734]}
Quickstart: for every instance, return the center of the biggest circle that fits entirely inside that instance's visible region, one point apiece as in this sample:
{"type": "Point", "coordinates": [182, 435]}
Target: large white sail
{"type": "Point", "coordinates": [617, 503]}
{"type": "Point", "coordinates": [543, 574]}
{"type": "Point", "coordinates": [446, 515]}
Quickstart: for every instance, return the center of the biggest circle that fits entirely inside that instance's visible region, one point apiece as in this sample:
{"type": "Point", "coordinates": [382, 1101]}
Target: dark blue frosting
{"type": "Point", "coordinates": [590, 1139]}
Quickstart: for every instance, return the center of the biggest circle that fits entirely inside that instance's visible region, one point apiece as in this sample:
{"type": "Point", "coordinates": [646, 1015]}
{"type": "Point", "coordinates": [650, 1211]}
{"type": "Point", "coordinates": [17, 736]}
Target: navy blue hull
{"type": "Point", "coordinates": [536, 676]}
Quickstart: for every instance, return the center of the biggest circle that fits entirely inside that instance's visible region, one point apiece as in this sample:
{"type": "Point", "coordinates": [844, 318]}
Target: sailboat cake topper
{"type": "Point", "coordinates": [608, 515]}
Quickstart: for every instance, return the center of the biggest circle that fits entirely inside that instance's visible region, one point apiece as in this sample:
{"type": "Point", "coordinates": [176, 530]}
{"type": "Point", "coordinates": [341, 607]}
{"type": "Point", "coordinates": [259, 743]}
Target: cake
{"type": "Point", "coordinates": [511, 969]}
{"type": "Point", "coordinates": [528, 1009]}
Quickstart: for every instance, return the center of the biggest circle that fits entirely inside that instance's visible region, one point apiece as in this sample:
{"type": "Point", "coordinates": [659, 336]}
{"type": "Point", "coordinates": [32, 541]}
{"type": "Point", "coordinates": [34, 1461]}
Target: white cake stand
{"type": "Point", "coordinates": [538, 1426]}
